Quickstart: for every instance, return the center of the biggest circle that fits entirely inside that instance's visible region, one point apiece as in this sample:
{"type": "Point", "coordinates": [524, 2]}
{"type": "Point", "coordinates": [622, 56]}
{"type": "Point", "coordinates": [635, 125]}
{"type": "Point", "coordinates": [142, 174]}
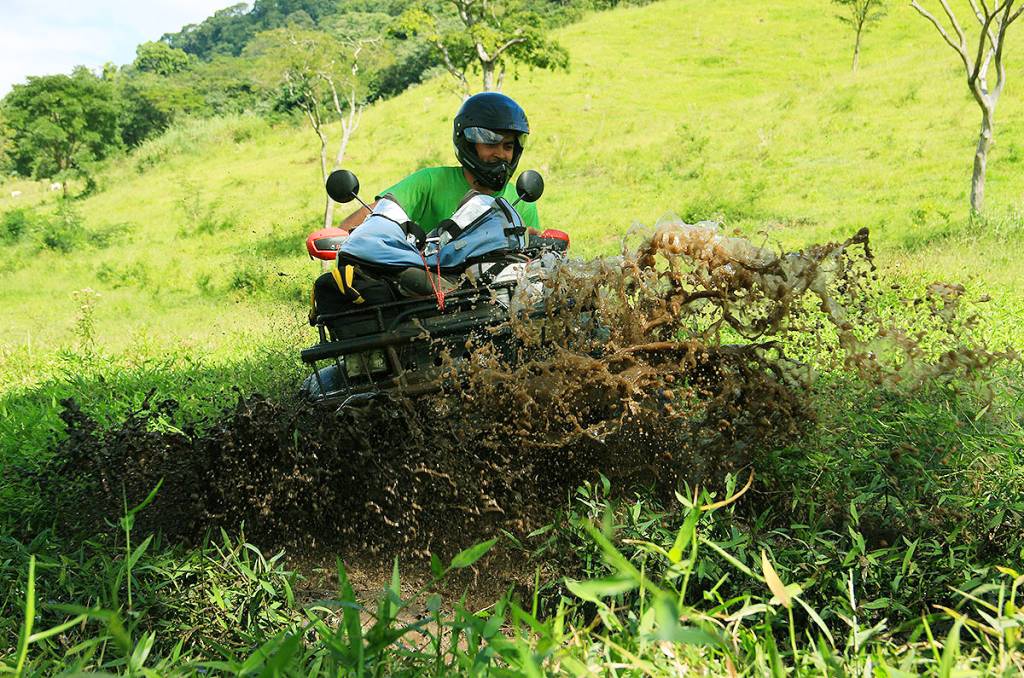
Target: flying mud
{"type": "Point", "coordinates": [675, 362]}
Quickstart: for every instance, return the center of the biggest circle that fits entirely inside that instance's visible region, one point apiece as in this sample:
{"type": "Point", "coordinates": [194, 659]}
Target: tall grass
{"type": "Point", "coordinates": [190, 136]}
{"type": "Point", "coordinates": [647, 604]}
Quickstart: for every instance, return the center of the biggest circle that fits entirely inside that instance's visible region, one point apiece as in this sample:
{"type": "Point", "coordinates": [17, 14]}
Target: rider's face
{"type": "Point", "coordinates": [500, 151]}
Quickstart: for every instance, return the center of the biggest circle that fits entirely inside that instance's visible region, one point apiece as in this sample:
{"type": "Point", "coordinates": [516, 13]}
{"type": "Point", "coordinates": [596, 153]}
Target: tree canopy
{"type": "Point", "coordinates": [160, 58]}
{"type": "Point", "coordinates": [58, 124]}
{"type": "Point", "coordinates": [229, 30]}
{"type": "Point", "coordinates": [484, 35]}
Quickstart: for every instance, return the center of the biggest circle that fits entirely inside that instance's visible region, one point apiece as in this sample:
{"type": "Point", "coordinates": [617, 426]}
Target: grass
{"type": "Point", "coordinates": [756, 120]}
{"type": "Point", "coordinates": [887, 542]}
{"type": "Point", "coordinates": [626, 587]}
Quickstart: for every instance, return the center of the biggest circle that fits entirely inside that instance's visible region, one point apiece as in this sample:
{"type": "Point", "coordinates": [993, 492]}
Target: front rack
{"type": "Point", "coordinates": [396, 324]}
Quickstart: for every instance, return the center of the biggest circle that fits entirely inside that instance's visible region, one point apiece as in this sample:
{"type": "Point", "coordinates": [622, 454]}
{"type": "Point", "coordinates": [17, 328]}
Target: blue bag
{"type": "Point", "coordinates": [482, 228]}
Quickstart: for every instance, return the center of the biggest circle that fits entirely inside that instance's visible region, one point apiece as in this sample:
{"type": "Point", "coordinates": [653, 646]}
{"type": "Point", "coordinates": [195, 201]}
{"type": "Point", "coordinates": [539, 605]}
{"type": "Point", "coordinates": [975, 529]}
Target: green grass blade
{"type": "Point", "coordinates": [474, 553]}
{"type": "Point", "coordinates": [951, 652]}
{"type": "Point", "coordinates": [60, 628]}
{"type": "Point", "coordinates": [685, 534]}
{"type": "Point", "coordinates": [30, 615]}
{"type": "Point", "coordinates": [596, 589]}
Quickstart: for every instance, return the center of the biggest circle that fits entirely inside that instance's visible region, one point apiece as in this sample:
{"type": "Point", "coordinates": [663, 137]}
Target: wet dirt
{"type": "Point", "coordinates": [676, 362]}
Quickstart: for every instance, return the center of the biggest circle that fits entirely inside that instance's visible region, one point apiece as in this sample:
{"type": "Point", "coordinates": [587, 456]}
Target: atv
{"type": "Point", "coordinates": [397, 309]}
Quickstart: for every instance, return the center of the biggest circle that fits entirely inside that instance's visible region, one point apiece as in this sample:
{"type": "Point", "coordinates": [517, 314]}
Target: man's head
{"type": "Point", "coordinates": [490, 131]}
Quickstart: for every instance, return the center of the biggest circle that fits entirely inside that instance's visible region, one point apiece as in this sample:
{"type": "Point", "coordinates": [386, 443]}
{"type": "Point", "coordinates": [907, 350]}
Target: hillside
{"type": "Point", "coordinates": [747, 113]}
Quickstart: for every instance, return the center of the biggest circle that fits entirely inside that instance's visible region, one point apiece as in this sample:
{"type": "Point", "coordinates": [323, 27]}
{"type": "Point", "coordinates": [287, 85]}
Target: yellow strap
{"type": "Point", "coordinates": [345, 284]}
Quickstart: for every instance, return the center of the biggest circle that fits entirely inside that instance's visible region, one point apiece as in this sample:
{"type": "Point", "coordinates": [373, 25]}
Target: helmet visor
{"type": "Point", "coordinates": [482, 135]}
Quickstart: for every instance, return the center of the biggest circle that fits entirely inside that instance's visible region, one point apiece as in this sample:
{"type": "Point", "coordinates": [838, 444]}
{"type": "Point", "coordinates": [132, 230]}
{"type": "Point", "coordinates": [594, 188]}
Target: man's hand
{"type": "Point", "coordinates": [359, 216]}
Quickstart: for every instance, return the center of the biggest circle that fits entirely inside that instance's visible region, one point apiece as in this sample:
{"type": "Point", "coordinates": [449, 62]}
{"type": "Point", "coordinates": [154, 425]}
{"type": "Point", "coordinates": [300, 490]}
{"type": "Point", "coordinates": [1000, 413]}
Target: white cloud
{"type": "Point", "coordinates": [42, 37]}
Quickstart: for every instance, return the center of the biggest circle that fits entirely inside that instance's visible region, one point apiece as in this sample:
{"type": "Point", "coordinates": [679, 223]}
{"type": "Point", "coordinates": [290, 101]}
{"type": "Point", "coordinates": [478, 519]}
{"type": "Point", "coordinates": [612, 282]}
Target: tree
{"type": "Point", "coordinates": [59, 124]}
{"type": "Point", "coordinates": [268, 14]}
{"type": "Point", "coordinates": [993, 23]}
{"type": "Point", "coordinates": [860, 15]}
{"type": "Point", "coordinates": [319, 75]}
{"type": "Point", "coordinates": [229, 30]}
{"type": "Point", "coordinates": [160, 58]}
{"type": "Point", "coordinates": [6, 161]}
{"type": "Point", "coordinates": [484, 34]}
{"type": "Point", "coordinates": [226, 32]}
{"type": "Point", "coordinates": [149, 103]}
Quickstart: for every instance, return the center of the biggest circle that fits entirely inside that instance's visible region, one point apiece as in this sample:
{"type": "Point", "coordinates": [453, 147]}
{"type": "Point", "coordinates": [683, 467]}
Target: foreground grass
{"type": "Point", "coordinates": [888, 540]}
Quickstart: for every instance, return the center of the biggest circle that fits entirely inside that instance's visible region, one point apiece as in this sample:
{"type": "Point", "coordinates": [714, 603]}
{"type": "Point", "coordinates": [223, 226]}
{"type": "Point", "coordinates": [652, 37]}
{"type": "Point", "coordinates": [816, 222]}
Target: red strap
{"type": "Point", "coordinates": [435, 286]}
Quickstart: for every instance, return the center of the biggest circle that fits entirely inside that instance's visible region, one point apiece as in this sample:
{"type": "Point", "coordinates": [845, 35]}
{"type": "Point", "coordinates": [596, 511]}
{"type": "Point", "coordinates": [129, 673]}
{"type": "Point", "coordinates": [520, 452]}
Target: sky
{"type": "Point", "coordinates": [43, 37]}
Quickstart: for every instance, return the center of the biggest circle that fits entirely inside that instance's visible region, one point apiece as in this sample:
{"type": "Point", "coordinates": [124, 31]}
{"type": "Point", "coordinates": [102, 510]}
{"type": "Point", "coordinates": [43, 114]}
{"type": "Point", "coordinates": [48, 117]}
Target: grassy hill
{"type": "Point", "coordinates": [745, 113]}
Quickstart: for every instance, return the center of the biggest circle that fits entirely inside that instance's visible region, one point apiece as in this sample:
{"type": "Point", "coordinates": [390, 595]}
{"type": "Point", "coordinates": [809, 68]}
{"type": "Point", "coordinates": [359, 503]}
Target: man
{"type": "Point", "coordinates": [490, 132]}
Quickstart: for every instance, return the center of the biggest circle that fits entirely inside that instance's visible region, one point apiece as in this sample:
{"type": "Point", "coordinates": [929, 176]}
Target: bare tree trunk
{"type": "Point", "coordinates": [62, 170]}
{"type": "Point", "coordinates": [488, 69]}
{"type": "Point", "coordinates": [329, 212]}
{"type": "Point", "coordinates": [348, 127]}
{"type": "Point", "coordinates": [458, 73]}
{"type": "Point", "coordinates": [329, 206]}
{"type": "Point", "coordinates": [347, 130]}
{"type": "Point", "coordinates": [985, 141]}
{"type": "Point", "coordinates": [856, 50]}
{"type": "Point", "coordinates": [994, 21]}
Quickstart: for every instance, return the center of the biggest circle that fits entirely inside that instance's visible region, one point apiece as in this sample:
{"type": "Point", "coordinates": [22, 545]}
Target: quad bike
{"type": "Point", "coordinates": [394, 322]}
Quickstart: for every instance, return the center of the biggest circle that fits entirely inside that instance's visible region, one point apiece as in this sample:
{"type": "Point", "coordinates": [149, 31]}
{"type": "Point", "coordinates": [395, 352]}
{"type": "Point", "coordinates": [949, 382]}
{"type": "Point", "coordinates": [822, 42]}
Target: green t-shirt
{"type": "Point", "coordinates": [432, 195]}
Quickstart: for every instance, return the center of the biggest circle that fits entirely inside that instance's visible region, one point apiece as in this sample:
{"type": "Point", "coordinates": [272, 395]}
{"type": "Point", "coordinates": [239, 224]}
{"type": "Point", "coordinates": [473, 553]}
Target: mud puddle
{"type": "Point", "coordinates": [677, 361]}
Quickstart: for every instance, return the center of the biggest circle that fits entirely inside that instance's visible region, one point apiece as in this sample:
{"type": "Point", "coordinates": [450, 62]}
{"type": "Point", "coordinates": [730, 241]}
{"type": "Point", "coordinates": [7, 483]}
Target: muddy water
{"type": "Point", "coordinates": [678, 360]}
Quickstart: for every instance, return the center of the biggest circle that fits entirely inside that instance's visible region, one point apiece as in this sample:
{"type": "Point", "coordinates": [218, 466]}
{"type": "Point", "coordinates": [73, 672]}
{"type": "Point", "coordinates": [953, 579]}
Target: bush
{"type": "Point", "coordinates": [14, 225]}
{"type": "Point", "coordinates": [113, 234]}
{"type": "Point", "coordinates": [201, 216]}
{"type": "Point", "coordinates": [123, 276]}
{"type": "Point", "coordinates": [60, 231]}
{"type": "Point", "coordinates": [64, 231]}
{"type": "Point", "coordinates": [249, 278]}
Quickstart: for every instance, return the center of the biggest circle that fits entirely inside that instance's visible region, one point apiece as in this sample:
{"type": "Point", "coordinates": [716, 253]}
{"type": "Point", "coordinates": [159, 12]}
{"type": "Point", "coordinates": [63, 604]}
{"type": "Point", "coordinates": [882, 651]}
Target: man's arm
{"type": "Point", "coordinates": [356, 218]}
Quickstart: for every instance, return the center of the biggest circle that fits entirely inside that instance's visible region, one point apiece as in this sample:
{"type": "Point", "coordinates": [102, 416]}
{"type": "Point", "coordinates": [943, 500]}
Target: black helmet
{"type": "Point", "coordinates": [481, 116]}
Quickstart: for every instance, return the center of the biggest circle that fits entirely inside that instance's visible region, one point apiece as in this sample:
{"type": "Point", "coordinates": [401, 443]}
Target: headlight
{"type": "Point", "coordinates": [365, 364]}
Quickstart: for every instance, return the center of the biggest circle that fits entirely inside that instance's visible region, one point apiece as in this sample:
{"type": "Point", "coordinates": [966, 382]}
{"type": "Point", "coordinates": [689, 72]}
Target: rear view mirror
{"type": "Point", "coordinates": [342, 186]}
{"type": "Point", "coordinates": [530, 186]}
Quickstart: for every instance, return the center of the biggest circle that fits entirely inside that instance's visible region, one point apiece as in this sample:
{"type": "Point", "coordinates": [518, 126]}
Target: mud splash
{"type": "Point", "coordinates": [677, 361]}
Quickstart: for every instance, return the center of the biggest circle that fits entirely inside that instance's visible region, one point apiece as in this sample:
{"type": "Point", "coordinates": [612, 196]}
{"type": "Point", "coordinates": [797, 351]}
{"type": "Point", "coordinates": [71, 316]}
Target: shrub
{"type": "Point", "coordinates": [14, 225]}
{"type": "Point", "coordinates": [64, 231]}
{"type": "Point", "coordinates": [124, 276]}
{"type": "Point", "coordinates": [204, 283]}
{"type": "Point", "coordinates": [249, 278]}
{"type": "Point", "coordinates": [201, 216]}
{"type": "Point", "coordinates": [112, 234]}
{"type": "Point", "coordinates": [241, 128]}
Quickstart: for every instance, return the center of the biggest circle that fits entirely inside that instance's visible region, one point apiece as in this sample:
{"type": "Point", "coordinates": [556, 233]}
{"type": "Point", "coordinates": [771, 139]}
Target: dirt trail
{"type": "Point", "coordinates": [677, 361]}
